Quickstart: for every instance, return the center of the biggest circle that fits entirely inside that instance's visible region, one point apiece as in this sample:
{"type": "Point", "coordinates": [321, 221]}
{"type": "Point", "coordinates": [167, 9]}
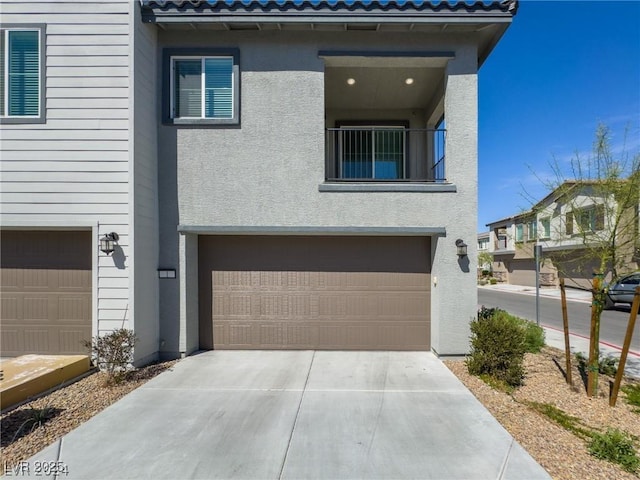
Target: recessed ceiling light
{"type": "Point", "coordinates": [409, 81]}
{"type": "Point", "coordinates": [351, 81]}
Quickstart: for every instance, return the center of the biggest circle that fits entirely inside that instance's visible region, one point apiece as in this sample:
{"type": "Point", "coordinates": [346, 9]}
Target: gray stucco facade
{"type": "Point", "coordinates": [267, 174]}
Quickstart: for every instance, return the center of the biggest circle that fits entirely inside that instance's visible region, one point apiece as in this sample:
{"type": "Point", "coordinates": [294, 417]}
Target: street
{"type": "Point", "coordinates": [613, 327]}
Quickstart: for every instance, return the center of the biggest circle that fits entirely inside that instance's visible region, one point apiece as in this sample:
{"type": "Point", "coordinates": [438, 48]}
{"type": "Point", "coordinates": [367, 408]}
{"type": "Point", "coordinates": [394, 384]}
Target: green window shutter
{"type": "Point", "coordinates": [218, 80]}
{"type": "Point", "coordinates": [187, 83]}
{"type": "Point", "coordinates": [23, 73]}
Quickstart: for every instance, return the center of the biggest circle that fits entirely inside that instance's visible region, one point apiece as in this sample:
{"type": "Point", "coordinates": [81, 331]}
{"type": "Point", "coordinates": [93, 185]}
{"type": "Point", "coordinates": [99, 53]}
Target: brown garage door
{"type": "Point", "coordinates": [45, 291]}
{"type": "Point", "coordinates": [346, 293]}
{"type": "Point", "coordinates": [522, 272]}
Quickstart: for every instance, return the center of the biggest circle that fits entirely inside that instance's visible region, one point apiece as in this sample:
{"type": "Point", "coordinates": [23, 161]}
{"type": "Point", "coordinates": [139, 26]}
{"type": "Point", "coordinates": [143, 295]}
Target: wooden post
{"type": "Point", "coordinates": [594, 340]}
{"type": "Point", "coordinates": [565, 324]}
{"type": "Point", "coordinates": [625, 347]}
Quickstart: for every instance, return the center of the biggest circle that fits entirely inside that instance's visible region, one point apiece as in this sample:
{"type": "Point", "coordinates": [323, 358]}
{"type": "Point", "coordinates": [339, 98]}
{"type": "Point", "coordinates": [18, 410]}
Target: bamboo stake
{"type": "Point", "coordinates": [592, 374]}
{"type": "Point", "coordinates": [625, 347]}
{"type": "Point", "coordinates": [565, 324]}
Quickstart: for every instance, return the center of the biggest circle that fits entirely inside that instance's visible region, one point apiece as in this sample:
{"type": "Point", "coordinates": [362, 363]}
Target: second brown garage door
{"type": "Point", "coordinates": [340, 293]}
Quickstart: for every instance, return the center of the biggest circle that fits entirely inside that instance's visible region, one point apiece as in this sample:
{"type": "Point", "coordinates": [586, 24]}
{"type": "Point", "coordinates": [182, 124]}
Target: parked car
{"type": "Point", "coordinates": [622, 291]}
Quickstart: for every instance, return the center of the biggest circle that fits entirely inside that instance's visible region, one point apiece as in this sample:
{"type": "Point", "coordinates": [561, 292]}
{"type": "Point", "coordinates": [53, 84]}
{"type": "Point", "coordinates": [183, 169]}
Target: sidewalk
{"type": "Point", "coordinates": [573, 294]}
{"type": "Point", "coordinates": [555, 338]}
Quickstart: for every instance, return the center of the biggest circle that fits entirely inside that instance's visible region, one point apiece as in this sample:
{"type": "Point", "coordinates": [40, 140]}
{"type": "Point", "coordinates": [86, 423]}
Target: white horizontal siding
{"type": "Point", "coordinates": [62, 155]}
{"type": "Point", "coordinates": [36, 144]}
{"type": "Point", "coordinates": [75, 166]}
{"type": "Point", "coordinates": [86, 61]}
{"type": "Point", "coordinates": [81, 71]}
{"type": "Point", "coordinates": [44, 187]}
{"type": "Point", "coordinates": [64, 177]}
{"type": "Point", "coordinates": [63, 197]}
{"type": "Point", "coordinates": [74, 124]}
{"type": "Point", "coordinates": [72, 134]}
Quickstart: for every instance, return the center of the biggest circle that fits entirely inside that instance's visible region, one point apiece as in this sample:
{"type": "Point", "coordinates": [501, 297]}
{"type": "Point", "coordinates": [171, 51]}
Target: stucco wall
{"type": "Point", "coordinates": [267, 171]}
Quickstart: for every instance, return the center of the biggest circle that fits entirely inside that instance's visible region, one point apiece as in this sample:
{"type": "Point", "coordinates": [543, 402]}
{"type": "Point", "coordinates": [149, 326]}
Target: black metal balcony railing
{"type": "Point", "coordinates": [385, 154]}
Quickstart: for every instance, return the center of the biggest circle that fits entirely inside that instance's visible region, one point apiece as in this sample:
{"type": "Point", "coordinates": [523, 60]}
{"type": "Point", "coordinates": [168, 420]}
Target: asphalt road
{"type": "Point", "coordinates": [613, 327]}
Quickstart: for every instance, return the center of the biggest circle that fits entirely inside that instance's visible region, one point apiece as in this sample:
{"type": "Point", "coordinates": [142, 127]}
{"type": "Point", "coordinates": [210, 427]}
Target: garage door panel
{"type": "Point", "coordinates": [45, 292]}
{"type": "Point", "coordinates": [314, 292]}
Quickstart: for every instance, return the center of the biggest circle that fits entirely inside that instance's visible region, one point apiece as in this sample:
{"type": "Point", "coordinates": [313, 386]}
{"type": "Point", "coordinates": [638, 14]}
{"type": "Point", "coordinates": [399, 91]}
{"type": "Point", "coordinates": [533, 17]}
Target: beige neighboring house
{"type": "Point", "coordinates": [566, 223]}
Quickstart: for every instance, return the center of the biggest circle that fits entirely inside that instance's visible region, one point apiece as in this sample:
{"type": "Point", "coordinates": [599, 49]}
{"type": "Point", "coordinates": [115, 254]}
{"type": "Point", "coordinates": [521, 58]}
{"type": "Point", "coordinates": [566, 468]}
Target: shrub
{"type": "Point", "coordinates": [633, 395]}
{"type": "Point", "coordinates": [534, 336]}
{"type": "Point", "coordinates": [493, 281]}
{"type": "Point", "coordinates": [113, 353]}
{"type": "Point", "coordinates": [615, 446]}
{"type": "Point", "coordinates": [497, 347]}
{"type": "Point", "coordinates": [606, 365]}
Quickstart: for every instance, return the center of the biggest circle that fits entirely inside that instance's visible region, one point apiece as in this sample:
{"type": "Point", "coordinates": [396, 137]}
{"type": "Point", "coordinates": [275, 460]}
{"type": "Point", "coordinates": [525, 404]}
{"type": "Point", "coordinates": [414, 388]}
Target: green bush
{"type": "Point", "coordinates": [633, 395]}
{"type": "Point", "coordinates": [615, 446]}
{"type": "Point", "coordinates": [534, 335]}
{"type": "Point", "coordinates": [497, 347]}
{"type": "Point", "coordinates": [113, 353]}
{"type": "Point", "coordinates": [493, 281]}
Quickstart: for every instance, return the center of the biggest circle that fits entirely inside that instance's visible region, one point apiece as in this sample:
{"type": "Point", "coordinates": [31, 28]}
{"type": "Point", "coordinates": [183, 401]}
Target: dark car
{"type": "Point", "coordinates": [622, 291]}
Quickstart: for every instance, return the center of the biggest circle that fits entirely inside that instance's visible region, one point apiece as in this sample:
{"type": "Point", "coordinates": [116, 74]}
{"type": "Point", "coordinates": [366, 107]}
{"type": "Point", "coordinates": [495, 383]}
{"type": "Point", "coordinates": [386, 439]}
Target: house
{"type": "Point", "coordinates": [569, 223]}
{"type": "Point", "coordinates": [483, 240]}
{"type": "Point", "coordinates": [272, 175]}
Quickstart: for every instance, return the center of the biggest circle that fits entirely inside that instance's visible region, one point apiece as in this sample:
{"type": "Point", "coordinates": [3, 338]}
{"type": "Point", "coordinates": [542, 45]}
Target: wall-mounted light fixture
{"type": "Point", "coordinates": [108, 242]}
{"type": "Point", "coordinates": [351, 81]}
{"type": "Point", "coordinates": [462, 248]}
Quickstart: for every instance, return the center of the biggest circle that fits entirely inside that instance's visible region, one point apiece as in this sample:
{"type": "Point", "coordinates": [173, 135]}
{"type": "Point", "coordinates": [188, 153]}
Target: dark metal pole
{"type": "Point", "coordinates": [538, 256]}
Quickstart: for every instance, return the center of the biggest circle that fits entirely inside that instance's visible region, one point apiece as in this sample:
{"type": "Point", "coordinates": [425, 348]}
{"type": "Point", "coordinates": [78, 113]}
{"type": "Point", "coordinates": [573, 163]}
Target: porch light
{"type": "Point", "coordinates": [409, 81]}
{"type": "Point", "coordinates": [107, 243]}
{"type": "Point", "coordinates": [351, 81]}
{"type": "Point", "coordinates": [462, 248]}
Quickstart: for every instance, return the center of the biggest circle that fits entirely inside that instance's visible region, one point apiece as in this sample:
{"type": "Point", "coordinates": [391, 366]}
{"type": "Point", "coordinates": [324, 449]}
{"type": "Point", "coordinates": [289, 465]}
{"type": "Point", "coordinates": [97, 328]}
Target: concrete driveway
{"type": "Point", "coordinates": [296, 415]}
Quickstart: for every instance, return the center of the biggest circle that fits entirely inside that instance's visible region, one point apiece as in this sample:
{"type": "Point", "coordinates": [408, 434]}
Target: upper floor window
{"type": "Point", "coordinates": [545, 223]}
{"type": "Point", "coordinates": [532, 230]}
{"type": "Point", "coordinates": [21, 74]}
{"type": "Point", "coordinates": [203, 88]}
{"type": "Point", "coordinates": [587, 220]}
{"type": "Point", "coordinates": [519, 232]}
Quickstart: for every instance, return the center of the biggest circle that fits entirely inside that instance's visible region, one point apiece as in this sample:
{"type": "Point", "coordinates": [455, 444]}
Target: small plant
{"type": "Point", "coordinates": [534, 336]}
{"type": "Point", "coordinates": [615, 446]}
{"type": "Point", "coordinates": [606, 365]}
{"type": "Point", "coordinates": [496, 384]}
{"type": "Point", "coordinates": [493, 281]}
{"type": "Point", "coordinates": [566, 421]}
{"type": "Point", "coordinates": [497, 347]}
{"type": "Point", "coordinates": [35, 419]}
{"type": "Point", "coordinates": [633, 395]}
{"type": "Point", "coordinates": [113, 353]}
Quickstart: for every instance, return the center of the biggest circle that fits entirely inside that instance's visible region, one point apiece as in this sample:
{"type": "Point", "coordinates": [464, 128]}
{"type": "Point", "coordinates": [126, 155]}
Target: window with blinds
{"type": "Point", "coordinates": [203, 88]}
{"type": "Point", "coordinates": [20, 73]}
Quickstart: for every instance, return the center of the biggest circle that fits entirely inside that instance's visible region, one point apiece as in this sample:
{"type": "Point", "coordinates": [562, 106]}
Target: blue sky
{"type": "Point", "coordinates": [562, 68]}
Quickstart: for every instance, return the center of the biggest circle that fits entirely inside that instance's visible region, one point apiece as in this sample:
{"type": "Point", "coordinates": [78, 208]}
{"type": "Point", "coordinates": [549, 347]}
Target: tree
{"type": "Point", "coordinates": [485, 260]}
{"type": "Point", "coordinates": [596, 211]}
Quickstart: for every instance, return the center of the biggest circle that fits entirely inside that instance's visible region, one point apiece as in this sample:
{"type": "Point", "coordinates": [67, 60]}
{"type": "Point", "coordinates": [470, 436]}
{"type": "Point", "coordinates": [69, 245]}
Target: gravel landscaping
{"type": "Point", "coordinates": [69, 407]}
{"type": "Point", "coordinates": [563, 454]}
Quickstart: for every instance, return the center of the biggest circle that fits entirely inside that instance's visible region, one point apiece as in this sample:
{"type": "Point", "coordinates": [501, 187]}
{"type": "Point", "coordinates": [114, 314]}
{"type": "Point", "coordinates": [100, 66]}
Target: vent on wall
{"type": "Point", "coordinates": [363, 27]}
{"type": "Point", "coordinates": [244, 26]}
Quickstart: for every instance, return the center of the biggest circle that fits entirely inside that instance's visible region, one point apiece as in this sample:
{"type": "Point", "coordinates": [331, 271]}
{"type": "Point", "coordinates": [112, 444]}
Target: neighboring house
{"type": "Point", "coordinates": [280, 175]}
{"type": "Point", "coordinates": [483, 246]}
{"type": "Point", "coordinates": [565, 223]}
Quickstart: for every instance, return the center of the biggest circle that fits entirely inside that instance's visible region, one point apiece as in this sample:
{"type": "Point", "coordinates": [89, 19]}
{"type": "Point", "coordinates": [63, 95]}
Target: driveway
{"type": "Point", "coordinates": [296, 415]}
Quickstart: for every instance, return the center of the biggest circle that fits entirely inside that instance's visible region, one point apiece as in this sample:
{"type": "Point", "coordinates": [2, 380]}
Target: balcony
{"type": "Point", "coordinates": [385, 154]}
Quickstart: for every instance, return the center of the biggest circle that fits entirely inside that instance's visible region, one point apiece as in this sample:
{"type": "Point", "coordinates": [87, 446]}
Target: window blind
{"type": "Point", "coordinates": [218, 74]}
{"type": "Point", "coordinates": [23, 73]}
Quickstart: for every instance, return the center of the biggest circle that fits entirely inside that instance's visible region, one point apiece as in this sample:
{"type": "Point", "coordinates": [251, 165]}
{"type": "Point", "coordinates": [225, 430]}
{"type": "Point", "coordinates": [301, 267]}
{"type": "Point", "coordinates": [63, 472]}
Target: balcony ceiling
{"type": "Point", "coordinates": [381, 87]}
